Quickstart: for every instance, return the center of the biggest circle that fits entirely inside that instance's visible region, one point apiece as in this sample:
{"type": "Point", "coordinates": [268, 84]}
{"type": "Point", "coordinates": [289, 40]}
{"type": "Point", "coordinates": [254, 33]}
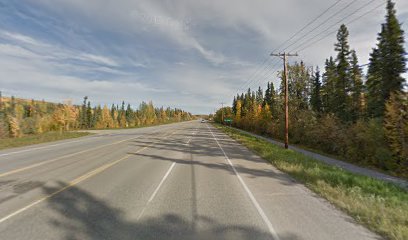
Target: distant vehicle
{"type": "Point", "coordinates": [203, 121]}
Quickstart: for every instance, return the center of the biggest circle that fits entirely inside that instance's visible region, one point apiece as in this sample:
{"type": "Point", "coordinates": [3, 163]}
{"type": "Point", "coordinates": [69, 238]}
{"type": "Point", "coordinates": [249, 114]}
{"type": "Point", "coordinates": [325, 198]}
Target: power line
{"type": "Point", "coordinates": [309, 44]}
{"type": "Point", "coordinates": [248, 83]}
{"type": "Point", "coordinates": [307, 24]}
{"type": "Point", "coordinates": [321, 24]}
{"type": "Point", "coordinates": [335, 24]}
{"type": "Point", "coordinates": [305, 42]}
{"type": "Point", "coordinates": [249, 79]}
{"type": "Point", "coordinates": [299, 31]}
{"type": "Point", "coordinates": [268, 73]}
{"type": "Point", "coordinates": [269, 68]}
{"type": "Point", "coordinates": [353, 20]}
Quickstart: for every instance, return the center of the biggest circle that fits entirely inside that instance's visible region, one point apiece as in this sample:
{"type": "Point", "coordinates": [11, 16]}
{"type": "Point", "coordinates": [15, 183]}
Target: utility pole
{"type": "Point", "coordinates": [222, 112]}
{"type": "Point", "coordinates": [284, 56]}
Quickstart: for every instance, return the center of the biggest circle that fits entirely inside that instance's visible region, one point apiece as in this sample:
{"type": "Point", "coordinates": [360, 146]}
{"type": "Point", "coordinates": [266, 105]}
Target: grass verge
{"type": "Point", "coordinates": [380, 206]}
{"type": "Point", "coordinates": [39, 138]}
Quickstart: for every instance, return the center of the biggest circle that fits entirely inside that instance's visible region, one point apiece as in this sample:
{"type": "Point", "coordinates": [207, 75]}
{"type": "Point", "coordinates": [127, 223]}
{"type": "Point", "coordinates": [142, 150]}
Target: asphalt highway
{"type": "Point", "coordinates": [178, 181]}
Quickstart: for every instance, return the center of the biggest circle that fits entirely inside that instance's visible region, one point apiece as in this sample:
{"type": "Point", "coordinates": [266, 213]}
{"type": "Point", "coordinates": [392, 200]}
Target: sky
{"type": "Point", "coordinates": [186, 54]}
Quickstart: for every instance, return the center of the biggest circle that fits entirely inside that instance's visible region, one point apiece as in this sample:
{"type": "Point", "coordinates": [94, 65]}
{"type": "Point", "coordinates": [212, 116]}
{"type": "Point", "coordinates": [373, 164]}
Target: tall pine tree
{"type": "Point", "coordinates": [328, 87]}
{"type": "Point", "coordinates": [259, 96]}
{"type": "Point", "coordinates": [343, 80]}
{"type": "Point", "coordinates": [387, 64]}
{"type": "Point", "coordinates": [315, 98]}
{"type": "Point", "coordinates": [356, 108]}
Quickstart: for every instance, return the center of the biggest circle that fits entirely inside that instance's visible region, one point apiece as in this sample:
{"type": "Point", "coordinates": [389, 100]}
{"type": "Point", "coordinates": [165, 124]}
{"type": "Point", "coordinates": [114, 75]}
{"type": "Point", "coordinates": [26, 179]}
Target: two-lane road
{"type": "Point", "coordinates": [177, 181]}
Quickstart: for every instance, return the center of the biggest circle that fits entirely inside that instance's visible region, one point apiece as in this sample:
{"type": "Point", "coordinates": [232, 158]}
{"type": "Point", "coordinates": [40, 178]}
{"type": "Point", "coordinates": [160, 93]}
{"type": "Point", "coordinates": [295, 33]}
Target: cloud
{"type": "Point", "coordinates": [20, 37]}
{"type": "Point", "coordinates": [184, 53]}
{"type": "Point", "coordinates": [97, 59]}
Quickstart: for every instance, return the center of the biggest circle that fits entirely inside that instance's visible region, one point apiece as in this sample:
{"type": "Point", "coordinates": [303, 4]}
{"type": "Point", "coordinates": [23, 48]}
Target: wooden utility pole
{"type": "Point", "coordinates": [284, 56]}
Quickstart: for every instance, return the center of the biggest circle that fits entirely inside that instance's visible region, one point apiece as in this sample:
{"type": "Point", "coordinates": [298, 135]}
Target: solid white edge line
{"type": "Point", "coordinates": [43, 147]}
{"type": "Point", "coordinates": [251, 196]}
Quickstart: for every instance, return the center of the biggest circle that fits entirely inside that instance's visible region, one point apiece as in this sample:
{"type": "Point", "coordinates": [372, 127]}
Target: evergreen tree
{"type": "Point", "coordinates": [112, 111]}
{"type": "Point", "coordinates": [273, 106]}
{"type": "Point", "coordinates": [387, 63]}
{"type": "Point", "coordinates": [270, 98]}
{"type": "Point", "coordinates": [393, 54]}
{"type": "Point", "coordinates": [315, 99]}
{"type": "Point", "coordinates": [246, 103]}
{"type": "Point", "coordinates": [375, 100]}
{"type": "Point", "coordinates": [89, 115]}
{"type": "Point", "coordinates": [96, 116]}
{"type": "Point", "coordinates": [234, 105]}
{"type": "Point", "coordinates": [343, 79]}
{"type": "Point", "coordinates": [129, 113]}
{"type": "Point", "coordinates": [267, 97]}
{"type": "Point", "coordinates": [83, 114]}
{"type": "Point", "coordinates": [328, 87]}
{"type": "Point", "coordinates": [356, 107]}
{"type": "Point", "coordinates": [259, 96]}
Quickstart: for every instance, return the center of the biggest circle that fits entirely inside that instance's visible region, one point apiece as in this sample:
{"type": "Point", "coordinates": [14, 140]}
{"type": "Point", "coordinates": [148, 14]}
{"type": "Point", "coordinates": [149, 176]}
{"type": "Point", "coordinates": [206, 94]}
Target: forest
{"type": "Point", "coordinates": [339, 110]}
{"type": "Point", "coordinates": [20, 117]}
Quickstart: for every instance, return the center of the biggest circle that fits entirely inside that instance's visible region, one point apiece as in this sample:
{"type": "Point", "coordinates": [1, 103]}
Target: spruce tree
{"type": "Point", "coordinates": [83, 114]}
{"type": "Point", "coordinates": [129, 113]}
{"type": "Point", "coordinates": [343, 80]}
{"type": "Point", "coordinates": [259, 96]}
{"type": "Point", "coordinates": [234, 106]}
{"type": "Point", "coordinates": [112, 111]}
{"type": "Point", "coordinates": [267, 96]}
{"type": "Point", "coordinates": [315, 99]}
{"type": "Point", "coordinates": [356, 108]}
{"type": "Point", "coordinates": [328, 86]}
{"type": "Point", "coordinates": [394, 53]}
{"type": "Point", "coordinates": [387, 64]}
{"type": "Point", "coordinates": [89, 115]}
{"type": "Point", "coordinates": [375, 100]}
{"type": "Point", "coordinates": [272, 100]}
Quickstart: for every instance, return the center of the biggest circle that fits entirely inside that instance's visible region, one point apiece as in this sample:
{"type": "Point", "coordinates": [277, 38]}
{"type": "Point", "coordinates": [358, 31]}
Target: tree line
{"type": "Point", "coordinates": [19, 117]}
{"type": "Point", "coordinates": [362, 118]}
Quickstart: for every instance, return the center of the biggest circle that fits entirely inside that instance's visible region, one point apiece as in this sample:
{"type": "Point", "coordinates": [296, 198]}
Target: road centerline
{"type": "Point", "coordinates": [79, 180]}
{"type": "Point", "coordinates": [156, 190]}
{"type": "Point", "coordinates": [11, 172]}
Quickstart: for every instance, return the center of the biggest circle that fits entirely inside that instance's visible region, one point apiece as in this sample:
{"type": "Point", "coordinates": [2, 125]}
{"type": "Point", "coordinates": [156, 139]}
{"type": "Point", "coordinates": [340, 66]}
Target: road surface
{"type": "Point", "coordinates": [179, 181]}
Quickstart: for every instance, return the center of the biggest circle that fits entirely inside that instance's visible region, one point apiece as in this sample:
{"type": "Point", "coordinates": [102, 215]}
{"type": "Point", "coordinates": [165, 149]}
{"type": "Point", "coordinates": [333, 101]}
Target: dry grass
{"type": "Point", "coordinates": [380, 206]}
{"type": "Point", "coordinates": [38, 138]}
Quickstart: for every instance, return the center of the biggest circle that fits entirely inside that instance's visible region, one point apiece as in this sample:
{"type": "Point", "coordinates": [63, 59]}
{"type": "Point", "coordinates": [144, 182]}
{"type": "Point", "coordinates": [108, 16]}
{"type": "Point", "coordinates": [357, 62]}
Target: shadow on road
{"type": "Point", "coordinates": [204, 145]}
{"type": "Point", "coordinates": [83, 216]}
